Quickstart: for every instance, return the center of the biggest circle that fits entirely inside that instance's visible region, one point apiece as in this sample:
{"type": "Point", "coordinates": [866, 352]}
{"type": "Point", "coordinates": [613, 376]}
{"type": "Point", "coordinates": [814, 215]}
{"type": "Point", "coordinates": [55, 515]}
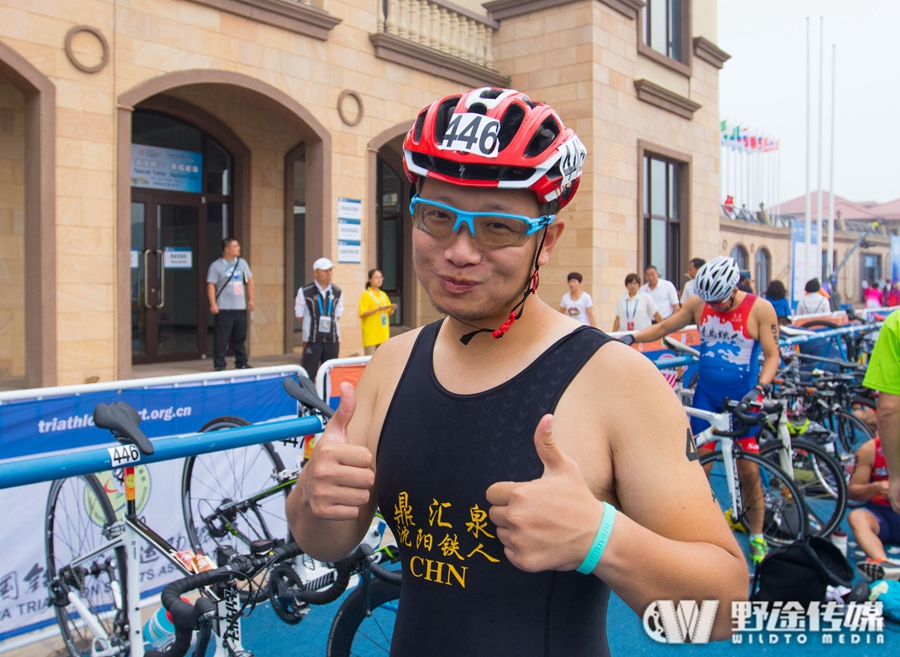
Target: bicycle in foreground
{"type": "Point", "coordinates": [94, 580]}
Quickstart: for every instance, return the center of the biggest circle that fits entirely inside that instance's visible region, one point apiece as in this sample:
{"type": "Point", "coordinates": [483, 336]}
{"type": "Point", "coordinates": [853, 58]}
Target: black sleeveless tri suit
{"type": "Point", "coordinates": [438, 453]}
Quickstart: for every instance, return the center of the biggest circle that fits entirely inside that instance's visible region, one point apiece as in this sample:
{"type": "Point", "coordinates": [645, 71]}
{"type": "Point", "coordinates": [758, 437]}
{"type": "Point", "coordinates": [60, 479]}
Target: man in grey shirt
{"type": "Point", "coordinates": [229, 302]}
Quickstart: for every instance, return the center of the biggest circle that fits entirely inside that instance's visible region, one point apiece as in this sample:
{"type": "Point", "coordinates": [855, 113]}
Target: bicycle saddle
{"type": "Point", "coordinates": [122, 420]}
{"type": "Point", "coordinates": [305, 392]}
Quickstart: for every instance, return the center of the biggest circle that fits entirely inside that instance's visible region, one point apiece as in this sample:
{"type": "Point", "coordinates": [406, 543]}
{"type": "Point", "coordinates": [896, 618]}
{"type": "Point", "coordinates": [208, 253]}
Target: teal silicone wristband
{"type": "Point", "coordinates": [593, 556]}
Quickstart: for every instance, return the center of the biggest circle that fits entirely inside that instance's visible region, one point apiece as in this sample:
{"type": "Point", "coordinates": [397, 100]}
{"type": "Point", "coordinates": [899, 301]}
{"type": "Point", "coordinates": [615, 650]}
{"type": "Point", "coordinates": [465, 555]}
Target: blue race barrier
{"type": "Point", "coordinates": [47, 467]}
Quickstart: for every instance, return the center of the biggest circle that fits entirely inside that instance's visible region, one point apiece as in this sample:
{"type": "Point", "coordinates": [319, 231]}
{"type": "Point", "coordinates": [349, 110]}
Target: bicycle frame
{"type": "Point", "coordinates": [126, 532]}
{"type": "Point", "coordinates": [722, 422]}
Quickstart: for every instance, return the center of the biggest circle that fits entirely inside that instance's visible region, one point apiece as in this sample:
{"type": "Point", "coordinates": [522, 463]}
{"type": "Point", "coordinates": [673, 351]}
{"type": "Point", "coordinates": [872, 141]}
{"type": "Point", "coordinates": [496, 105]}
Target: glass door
{"type": "Point", "coordinates": [168, 278]}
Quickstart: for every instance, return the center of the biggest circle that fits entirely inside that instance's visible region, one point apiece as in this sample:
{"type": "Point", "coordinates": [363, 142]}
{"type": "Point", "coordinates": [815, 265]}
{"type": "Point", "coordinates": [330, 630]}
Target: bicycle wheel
{"type": "Point", "coordinates": [357, 632]}
{"type": "Point", "coordinates": [785, 514]}
{"type": "Point", "coordinates": [78, 510]}
{"type": "Point", "coordinates": [243, 478]}
{"type": "Point", "coordinates": [851, 431]}
{"type": "Point", "coordinates": [821, 481]}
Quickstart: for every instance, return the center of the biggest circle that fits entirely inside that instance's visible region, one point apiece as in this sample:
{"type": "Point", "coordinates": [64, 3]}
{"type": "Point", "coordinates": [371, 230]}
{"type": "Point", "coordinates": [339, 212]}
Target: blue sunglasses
{"type": "Point", "coordinates": [491, 229]}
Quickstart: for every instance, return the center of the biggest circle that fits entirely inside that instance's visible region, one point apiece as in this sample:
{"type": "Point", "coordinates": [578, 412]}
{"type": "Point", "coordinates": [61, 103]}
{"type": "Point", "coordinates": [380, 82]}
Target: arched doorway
{"type": "Point", "coordinates": [389, 247]}
{"type": "Point", "coordinates": [28, 314]}
{"type": "Point", "coordinates": [257, 124]}
{"type": "Point", "coordinates": [182, 182]}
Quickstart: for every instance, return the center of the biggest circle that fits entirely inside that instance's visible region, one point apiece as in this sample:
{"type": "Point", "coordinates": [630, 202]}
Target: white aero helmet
{"type": "Point", "coordinates": [717, 279]}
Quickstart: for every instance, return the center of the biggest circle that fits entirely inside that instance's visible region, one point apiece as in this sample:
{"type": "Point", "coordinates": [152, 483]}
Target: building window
{"type": "Point", "coordinates": [389, 211]}
{"type": "Point", "coordinates": [763, 270]}
{"type": "Point", "coordinates": [740, 255]}
{"type": "Point", "coordinates": [662, 216]}
{"type": "Point", "coordinates": [664, 27]}
{"type": "Point", "coordinates": [871, 268]}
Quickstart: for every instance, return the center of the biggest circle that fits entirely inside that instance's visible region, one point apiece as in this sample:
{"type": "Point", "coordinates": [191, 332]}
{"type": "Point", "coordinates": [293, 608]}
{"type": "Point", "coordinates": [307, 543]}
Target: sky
{"type": "Point", "coordinates": [763, 85]}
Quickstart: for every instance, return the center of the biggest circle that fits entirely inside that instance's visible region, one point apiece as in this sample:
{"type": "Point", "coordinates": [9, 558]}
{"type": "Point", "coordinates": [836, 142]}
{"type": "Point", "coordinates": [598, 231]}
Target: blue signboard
{"type": "Point", "coordinates": [166, 168]}
{"type": "Point", "coordinates": [36, 426]}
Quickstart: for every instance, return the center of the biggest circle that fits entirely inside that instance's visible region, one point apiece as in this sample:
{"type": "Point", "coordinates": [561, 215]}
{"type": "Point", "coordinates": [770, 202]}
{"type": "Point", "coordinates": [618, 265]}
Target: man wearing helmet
{"type": "Point", "coordinates": [733, 326]}
{"type": "Point", "coordinates": [494, 502]}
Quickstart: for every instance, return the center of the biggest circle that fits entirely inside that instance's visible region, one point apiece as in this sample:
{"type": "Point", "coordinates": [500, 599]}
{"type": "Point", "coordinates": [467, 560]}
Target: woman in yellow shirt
{"type": "Point", "coordinates": [374, 308]}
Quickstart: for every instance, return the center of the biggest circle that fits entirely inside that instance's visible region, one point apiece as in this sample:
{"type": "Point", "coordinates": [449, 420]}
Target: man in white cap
{"type": "Point", "coordinates": [319, 305]}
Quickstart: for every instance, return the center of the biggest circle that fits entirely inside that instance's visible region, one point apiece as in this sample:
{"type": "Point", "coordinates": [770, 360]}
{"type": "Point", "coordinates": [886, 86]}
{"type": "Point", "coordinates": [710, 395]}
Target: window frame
{"type": "Point", "coordinates": [760, 289]}
{"type": "Point", "coordinates": [745, 256]}
{"type": "Point", "coordinates": [683, 65]}
{"type": "Point", "coordinates": [682, 253]}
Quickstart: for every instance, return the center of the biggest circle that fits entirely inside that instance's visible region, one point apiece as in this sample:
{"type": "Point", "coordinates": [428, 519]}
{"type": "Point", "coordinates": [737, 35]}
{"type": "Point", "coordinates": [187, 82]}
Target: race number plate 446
{"type": "Point", "coordinates": [123, 455]}
{"type": "Point", "coordinates": [472, 133]}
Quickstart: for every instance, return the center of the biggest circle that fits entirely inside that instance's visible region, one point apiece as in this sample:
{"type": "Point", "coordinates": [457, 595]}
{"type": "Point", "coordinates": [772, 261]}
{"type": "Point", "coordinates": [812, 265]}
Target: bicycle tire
{"type": "Point", "coordinates": [78, 510]}
{"type": "Point", "coordinates": [353, 626]}
{"type": "Point", "coordinates": [821, 481]}
{"type": "Point", "coordinates": [208, 480]}
{"type": "Point", "coordinates": [785, 512]}
{"type": "Point", "coordinates": [851, 431]}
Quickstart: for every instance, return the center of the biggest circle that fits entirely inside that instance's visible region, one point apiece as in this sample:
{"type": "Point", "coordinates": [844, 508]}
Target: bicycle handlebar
{"type": "Point", "coordinates": [186, 615]}
{"type": "Point", "coordinates": [745, 420]}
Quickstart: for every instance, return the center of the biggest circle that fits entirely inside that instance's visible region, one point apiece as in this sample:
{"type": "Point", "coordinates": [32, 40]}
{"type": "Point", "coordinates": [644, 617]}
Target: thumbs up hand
{"type": "Point", "coordinates": [338, 479]}
{"type": "Point", "coordinates": [548, 523]}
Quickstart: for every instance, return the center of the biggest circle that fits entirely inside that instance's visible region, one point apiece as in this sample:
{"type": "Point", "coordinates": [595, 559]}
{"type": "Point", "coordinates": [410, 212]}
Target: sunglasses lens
{"type": "Point", "coordinates": [500, 231]}
{"type": "Point", "coordinates": [434, 220]}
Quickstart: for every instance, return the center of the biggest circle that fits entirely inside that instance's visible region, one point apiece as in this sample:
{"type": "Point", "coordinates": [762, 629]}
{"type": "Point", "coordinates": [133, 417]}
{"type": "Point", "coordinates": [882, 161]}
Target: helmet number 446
{"type": "Point", "coordinates": [472, 133]}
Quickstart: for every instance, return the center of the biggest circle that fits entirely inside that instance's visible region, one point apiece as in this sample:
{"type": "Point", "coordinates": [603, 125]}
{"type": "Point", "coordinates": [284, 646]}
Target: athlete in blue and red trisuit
{"type": "Point", "coordinates": [734, 326]}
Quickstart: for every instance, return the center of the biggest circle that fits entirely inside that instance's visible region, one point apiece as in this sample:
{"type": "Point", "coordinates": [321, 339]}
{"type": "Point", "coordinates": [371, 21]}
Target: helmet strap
{"type": "Point", "coordinates": [516, 312]}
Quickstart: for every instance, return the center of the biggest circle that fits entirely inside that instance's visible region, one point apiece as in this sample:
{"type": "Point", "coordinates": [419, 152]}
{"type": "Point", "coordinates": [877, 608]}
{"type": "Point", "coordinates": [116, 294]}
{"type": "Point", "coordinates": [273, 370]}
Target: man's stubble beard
{"type": "Point", "coordinates": [478, 316]}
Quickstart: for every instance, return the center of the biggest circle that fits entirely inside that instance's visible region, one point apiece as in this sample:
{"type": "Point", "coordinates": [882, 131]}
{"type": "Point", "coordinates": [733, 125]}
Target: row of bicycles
{"type": "Point", "coordinates": [241, 553]}
{"type": "Point", "coordinates": [810, 427]}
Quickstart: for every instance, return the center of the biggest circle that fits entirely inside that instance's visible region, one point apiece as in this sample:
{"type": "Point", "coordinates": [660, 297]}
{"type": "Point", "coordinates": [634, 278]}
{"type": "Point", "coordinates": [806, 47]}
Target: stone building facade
{"type": "Point", "coordinates": [293, 113]}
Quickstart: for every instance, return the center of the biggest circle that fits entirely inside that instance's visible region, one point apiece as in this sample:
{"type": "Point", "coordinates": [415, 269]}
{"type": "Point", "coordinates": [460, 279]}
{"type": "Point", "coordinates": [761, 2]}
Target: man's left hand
{"type": "Point", "coordinates": [548, 523]}
{"type": "Point", "coordinates": [251, 305]}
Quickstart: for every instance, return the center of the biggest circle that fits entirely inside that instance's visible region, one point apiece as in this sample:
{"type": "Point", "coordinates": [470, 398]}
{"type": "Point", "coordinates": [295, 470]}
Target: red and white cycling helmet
{"type": "Point", "coordinates": [492, 137]}
{"type": "Point", "coordinates": [717, 279]}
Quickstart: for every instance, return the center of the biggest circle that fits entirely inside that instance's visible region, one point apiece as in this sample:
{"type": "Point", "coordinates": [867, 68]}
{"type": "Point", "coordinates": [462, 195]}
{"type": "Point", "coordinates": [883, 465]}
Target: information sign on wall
{"type": "Point", "coordinates": [166, 168]}
{"type": "Point", "coordinates": [178, 257]}
{"type": "Point", "coordinates": [349, 230]}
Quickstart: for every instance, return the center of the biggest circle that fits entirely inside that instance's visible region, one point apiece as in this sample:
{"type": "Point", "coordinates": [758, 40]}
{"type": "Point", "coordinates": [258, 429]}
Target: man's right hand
{"type": "Point", "coordinates": [894, 493]}
{"type": "Point", "coordinates": [213, 309]}
{"type": "Point", "coordinates": [338, 479]}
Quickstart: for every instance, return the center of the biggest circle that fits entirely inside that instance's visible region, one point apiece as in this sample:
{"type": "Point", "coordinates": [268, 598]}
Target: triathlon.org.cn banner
{"type": "Point", "coordinates": [35, 426]}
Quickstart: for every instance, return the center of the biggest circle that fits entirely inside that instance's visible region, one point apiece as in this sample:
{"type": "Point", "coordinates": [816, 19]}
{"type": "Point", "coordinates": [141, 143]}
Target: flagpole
{"type": "Point", "coordinates": [818, 267]}
{"type": "Point", "coordinates": [829, 259]}
{"type": "Point", "coordinates": [807, 218]}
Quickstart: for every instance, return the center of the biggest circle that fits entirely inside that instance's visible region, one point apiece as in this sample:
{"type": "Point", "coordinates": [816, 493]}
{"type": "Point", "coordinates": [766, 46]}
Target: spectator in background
{"type": "Point", "coordinates": [664, 294]}
{"type": "Point", "coordinates": [776, 294]}
{"type": "Point", "coordinates": [319, 306]}
{"type": "Point", "coordinates": [873, 296]}
{"type": "Point", "coordinates": [744, 285]}
{"type": "Point", "coordinates": [728, 205]}
{"type": "Point", "coordinates": [893, 298]}
{"type": "Point", "coordinates": [813, 302]}
{"type": "Point", "coordinates": [576, 303]}
{"type": "Point", "coordinates": [635, 311]}
{"type": "Point", "coordinates": [374, 309]}
{"type": "Point", "coordinates": [693, 265]}
{"type": "Point", "coordinates": [230, 289]}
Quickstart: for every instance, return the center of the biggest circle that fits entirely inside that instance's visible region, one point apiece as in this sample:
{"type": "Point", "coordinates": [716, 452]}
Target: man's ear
{"type": "Point", "coordinates": [554, 231]}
